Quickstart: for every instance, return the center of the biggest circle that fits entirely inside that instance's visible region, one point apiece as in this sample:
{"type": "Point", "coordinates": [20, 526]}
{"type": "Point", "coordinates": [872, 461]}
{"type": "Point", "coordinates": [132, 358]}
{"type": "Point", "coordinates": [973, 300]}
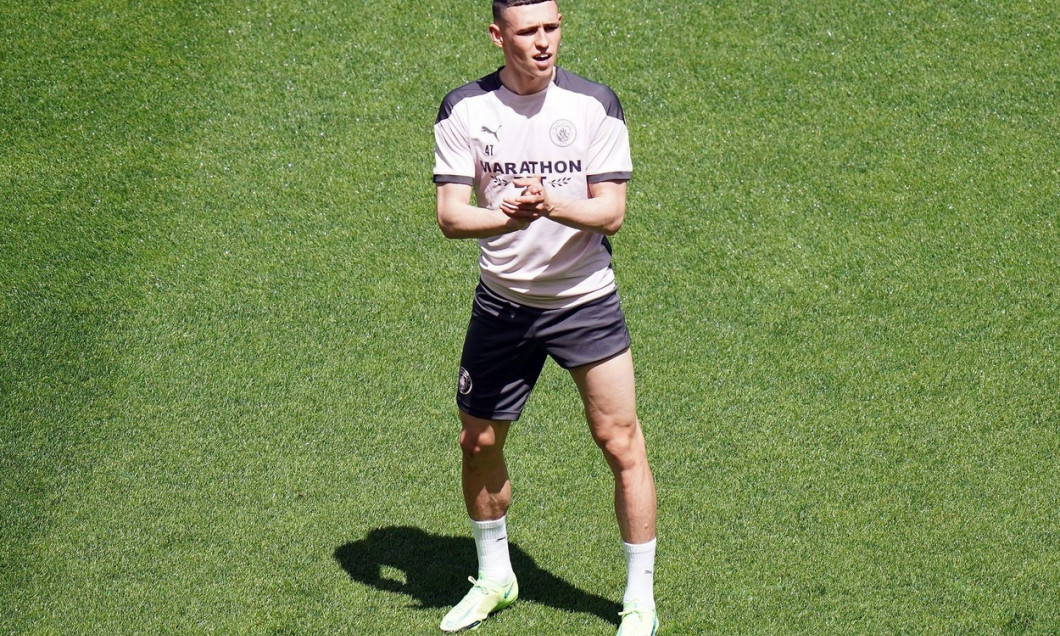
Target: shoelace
{"type": "Point", "coordinates": [476, 586]}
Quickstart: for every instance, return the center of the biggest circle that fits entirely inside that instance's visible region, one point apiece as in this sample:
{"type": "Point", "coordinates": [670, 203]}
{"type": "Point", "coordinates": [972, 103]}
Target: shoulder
{"type": "Point", "coordinates": [481, 86]}
{"type": "Point", "coordinates": [602, 93]}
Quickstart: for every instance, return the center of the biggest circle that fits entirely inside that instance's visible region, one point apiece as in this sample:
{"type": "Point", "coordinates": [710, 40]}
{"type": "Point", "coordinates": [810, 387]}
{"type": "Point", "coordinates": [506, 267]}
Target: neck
{"type": "Point", "coordinates": [524, 85]}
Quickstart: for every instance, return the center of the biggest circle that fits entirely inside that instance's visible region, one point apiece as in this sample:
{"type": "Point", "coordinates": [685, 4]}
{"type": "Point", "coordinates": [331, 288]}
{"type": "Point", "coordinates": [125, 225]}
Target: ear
{"type": "Point", "coordinates": [495, 35]}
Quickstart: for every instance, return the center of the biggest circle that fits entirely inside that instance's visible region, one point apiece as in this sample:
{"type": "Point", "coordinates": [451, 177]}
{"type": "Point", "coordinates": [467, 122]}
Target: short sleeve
{"type": "Point", "coordinates": [609, 154]}
{"type": "Point", "coordinates": [453, 160]}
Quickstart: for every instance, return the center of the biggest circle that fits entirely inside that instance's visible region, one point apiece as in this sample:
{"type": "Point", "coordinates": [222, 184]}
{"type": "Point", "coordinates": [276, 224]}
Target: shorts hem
{"type": "Point", "coordinates": [603, 358]}
{"type": "Point", "coordinates": [502, 416]}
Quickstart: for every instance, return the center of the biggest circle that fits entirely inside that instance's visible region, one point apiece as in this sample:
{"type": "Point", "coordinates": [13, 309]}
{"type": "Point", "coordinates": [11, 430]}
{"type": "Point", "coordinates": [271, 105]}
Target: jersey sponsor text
{"type": "Point", "coordinates": [532, 167]}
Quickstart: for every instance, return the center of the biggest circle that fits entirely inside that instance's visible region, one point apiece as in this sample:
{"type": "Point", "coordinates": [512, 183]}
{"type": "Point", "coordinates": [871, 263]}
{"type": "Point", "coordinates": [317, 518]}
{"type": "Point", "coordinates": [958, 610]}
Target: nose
{"type": "Point", "coordinates": [541, 41]}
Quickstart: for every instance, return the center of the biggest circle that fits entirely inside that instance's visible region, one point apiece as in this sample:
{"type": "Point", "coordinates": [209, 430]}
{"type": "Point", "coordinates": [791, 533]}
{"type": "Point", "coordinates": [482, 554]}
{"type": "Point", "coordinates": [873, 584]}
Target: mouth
{"type": "Point", "coordinates": [542, 59]}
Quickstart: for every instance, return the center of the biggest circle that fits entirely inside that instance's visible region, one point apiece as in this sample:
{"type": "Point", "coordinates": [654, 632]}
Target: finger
{"type": "Point", "coordinates": [523, 202]}
{"type": "Point", "coordinates": [534, 180]}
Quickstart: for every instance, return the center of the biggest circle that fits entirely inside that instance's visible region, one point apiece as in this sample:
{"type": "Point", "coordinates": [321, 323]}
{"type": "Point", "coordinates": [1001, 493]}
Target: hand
{"type": "Point", "coordinates": [532, 203]}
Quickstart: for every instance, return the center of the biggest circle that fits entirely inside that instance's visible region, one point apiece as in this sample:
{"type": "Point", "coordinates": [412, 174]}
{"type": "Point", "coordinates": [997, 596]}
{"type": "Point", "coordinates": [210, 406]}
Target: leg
{"type": "Point", "coordinates": [487, 495]}
{"type": "Point", "coordinates": [608, 392]}
{"type": "Point", "coordinates": [487, 489]}
{"type": "Point", "coordinates": [498, 369]}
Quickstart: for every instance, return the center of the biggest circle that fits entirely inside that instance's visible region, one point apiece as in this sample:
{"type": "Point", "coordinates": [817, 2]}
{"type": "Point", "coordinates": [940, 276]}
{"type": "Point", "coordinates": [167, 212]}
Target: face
{"type": "Point", "coordinates": [529, 36]}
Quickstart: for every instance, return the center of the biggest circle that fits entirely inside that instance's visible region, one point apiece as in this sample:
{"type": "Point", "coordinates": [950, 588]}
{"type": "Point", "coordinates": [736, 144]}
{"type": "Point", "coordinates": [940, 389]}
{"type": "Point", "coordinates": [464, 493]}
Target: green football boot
{"type": "Point", "coordinates": [485, 598]}
{"type": "Point", "coordinates": [638, 620]}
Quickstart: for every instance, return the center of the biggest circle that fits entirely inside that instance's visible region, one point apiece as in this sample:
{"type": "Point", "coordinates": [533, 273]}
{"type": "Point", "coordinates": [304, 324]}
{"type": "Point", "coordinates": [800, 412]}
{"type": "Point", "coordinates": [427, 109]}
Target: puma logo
{"type": "Point", "coordinates": [492, 132]}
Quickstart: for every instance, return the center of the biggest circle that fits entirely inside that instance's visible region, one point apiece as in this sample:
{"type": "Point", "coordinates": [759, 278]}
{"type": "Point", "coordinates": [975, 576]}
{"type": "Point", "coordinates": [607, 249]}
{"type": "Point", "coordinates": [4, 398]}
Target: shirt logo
{"type": "Point", "coordinates": [563, 133]}
{"type": "Point", "coordinates": [492, 132]}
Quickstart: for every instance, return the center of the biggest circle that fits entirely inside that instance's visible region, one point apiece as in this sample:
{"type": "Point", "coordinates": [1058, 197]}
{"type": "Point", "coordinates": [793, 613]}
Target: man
{"type": "Point", "coordinates": [546, 155]}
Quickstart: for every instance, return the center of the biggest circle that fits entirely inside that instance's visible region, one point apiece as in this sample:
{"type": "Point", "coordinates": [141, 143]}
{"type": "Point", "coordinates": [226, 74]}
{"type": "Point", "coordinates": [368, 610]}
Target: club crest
{"type": "Point", "coordinates": [465, 382]}
{"type": "Point", "coordinates": [563, 133]}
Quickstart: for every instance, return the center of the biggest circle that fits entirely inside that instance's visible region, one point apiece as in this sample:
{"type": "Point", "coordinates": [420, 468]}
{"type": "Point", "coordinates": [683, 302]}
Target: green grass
{"type": "Point", "coordinates": [230, 327]}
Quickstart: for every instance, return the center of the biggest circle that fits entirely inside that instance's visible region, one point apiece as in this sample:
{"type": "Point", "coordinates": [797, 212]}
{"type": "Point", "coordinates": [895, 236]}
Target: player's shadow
{"type": "Point", "coordinates": [433, 571]}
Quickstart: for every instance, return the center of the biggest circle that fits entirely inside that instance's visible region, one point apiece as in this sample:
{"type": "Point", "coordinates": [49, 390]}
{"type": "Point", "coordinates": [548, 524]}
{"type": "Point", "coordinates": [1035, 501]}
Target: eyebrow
{"type": "Point", "coordinates": [535, 27]}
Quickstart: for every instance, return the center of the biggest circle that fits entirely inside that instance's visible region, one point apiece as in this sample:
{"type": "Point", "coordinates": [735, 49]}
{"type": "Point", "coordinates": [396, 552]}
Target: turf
{"type": "Point", "coordinates": [228, 322]}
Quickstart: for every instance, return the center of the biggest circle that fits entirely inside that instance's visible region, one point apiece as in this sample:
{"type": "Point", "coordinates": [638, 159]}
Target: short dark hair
{"type": "Point", "coordinates": [501, 5]}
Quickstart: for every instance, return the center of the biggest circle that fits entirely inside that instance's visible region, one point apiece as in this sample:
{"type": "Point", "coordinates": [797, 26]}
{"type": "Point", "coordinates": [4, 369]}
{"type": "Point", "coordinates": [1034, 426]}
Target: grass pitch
{"type": "Point", "coordinates": [229, 327]}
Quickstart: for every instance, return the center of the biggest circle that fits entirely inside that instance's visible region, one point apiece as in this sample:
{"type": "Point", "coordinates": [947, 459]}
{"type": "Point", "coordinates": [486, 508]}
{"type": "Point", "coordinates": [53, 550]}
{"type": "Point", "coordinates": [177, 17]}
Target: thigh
{"type": "Point", "coordinates": [608, 390]}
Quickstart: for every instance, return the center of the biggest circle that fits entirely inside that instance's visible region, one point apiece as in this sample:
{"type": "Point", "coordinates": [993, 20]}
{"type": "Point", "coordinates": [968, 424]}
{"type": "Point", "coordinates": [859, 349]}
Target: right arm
{"type": "Point", "coordinates": [458, 219]}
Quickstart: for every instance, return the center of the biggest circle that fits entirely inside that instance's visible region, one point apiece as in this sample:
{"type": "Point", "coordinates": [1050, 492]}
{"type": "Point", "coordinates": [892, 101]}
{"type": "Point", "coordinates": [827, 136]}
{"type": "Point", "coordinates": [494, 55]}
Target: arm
{"type": "Point", "coordinates": [603, 212]}
{"type": "Point", "coordinates": [458, 219]}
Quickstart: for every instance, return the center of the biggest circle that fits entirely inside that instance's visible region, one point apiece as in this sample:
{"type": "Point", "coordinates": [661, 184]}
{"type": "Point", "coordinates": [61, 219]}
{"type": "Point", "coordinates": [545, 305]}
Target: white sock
{"type": "Point", "coordinates": [640, 569]}
{"type": "Point", "coordinates": [491, 543]}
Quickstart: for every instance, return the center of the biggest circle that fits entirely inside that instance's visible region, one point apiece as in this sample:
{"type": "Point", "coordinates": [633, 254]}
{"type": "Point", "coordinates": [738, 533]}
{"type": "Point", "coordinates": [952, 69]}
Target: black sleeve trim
{"type": "Point", "coordinates": [609, 176]}
{"type": "Point", "coordinates": [453, 178]}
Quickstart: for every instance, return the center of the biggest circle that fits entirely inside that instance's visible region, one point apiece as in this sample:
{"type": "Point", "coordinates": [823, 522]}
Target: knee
{"type": "Point", "coordinates": [622, 444]}
{"type": "Point", "coordinates": [475, 443]}
{"type": "Point", "coordinates": [479, 440]}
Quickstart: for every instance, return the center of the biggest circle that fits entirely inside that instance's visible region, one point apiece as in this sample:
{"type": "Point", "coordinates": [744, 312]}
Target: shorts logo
{"type": "Point", "coordinates": [465, 382]}
{"type": "Point", "coordinates": [563, 133]}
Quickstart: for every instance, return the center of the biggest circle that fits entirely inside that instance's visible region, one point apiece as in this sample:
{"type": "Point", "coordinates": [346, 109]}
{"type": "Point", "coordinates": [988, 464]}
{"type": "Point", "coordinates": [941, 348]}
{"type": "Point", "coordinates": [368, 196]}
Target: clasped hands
{"type": "Point", "coordinates": [532, 203]}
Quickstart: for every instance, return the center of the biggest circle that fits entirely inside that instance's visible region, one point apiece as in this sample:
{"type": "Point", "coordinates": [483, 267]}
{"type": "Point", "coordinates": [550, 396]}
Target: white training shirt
{"type": "Point", "coordinates": [572, 133]}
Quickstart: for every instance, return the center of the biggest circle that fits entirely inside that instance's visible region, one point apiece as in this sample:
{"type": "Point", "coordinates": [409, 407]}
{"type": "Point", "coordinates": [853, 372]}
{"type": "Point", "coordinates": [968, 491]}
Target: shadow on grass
{"type": "Point", "coordinates": [433, 570]}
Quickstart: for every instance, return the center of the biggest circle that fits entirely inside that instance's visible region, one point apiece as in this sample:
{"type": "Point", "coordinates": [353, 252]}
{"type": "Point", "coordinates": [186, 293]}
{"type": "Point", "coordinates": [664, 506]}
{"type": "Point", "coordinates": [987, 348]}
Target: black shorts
{"type": "Point", "coordinates": [507, 344]}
